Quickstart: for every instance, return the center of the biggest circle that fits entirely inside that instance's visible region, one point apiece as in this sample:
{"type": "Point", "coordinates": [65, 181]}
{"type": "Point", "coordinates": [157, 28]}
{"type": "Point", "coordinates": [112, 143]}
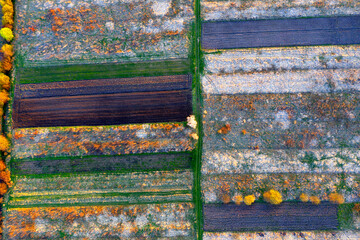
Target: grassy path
{"type": "Point", "coordinates": [197, 111]}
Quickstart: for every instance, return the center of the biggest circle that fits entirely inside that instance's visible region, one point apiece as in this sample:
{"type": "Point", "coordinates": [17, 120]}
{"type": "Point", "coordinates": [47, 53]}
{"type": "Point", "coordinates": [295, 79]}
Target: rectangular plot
{"type": "Point", "coordinates": [241, 61]}
{"type": "Point", "coordinates": [102, 140]}
{"type": "Point", "coordinates": [321, 160]}
{"type": "Point", "coordinates": [96, 164]}
{"type": "Point", "coordinates": [145, 221]}
{"type": "Point", "coordinates": [290, 185]}
{"type": "Point", "coordinates": [103, 86]}
{"type": "Point", "coordinates": [314, 81]}
{"type": "Point", "coordinates": [266, 9]}
{"type": "Point", "coordinates": [110, 188]}
{"type": "Point", "coordinates": [82, 184]}
{"type": "Point", "coordinates": [113, 31]}
{"type": "Point", "coordinates": [101, 71]}
{"type": "Point", "coordinates": [286, 216]}
{"type": "Point", "coordinates": [104, 109]}
{"type": "Point", "coordinates": [285, 32]}
{"type": "Point", "coordinates": [299, 235]}
{"type": "Point", "coordinates": [281, 121]}
{"type": "Point", "coordinates": [116, 101]}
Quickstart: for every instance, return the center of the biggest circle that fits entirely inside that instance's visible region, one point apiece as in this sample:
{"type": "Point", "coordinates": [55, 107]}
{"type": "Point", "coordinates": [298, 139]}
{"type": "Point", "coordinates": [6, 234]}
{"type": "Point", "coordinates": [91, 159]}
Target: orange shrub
{"type": "Point", "coordinates": [4, 143]}
{"type": "Point", "coordinates": [8, 18]}
{"type": "Point", "coordinates": [238, 199]}
{"type": "Point", "coordinates": [272, 196]}
{"type": "Point", "coordinates": [356, 207]}
{"type": "Point", "coordinates": [315, 200]}
{"type": "Point", "coordinates": [336, 198]}
{"type": "Point", "coordinates": [5, 176]}
{"type": "Point", "coordinates": [304, 197]}
{"type": "Point", "coordinates": [4, 81]}
{"type": "Point", "coordinates": [8, 8]}
{"type": "Point", "coordinates": [4, 97]}
{"type": "Point", "coordinates": [2, 165]}
{"type": "Point", "coordinates": [225, 129]}
{"type": "Point", "coordinates": [3, 188]}
{"type": "Point", "coordinates": [7, 63]}
{"type": "Point", "coordinates": [8, 50]}
{"type": "Point", "coordinates": [225, 198]}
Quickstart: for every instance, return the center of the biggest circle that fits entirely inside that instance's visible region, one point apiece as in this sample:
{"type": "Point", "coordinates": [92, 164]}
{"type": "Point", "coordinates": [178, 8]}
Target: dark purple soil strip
{"type": "Point", "coordinates": [103, 86]}
{"type": "Point", "coordinates": [105, 163]}
{"type": "Point", "coordinates": [103, 109]}
{"type": "Point", "coordinates": [288, 216]}
{"type": "Point", "coordinates": [281, 32]}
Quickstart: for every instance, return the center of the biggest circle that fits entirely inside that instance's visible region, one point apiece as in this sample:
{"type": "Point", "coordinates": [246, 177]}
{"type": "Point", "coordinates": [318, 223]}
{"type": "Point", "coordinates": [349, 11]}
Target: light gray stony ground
{"type": "Point", "coordinates": [283, 70]}
{"type": "Point", "coordinates": [83, 31]}
{"type": "Point", "coordinates": [263, 9]}
{"type": "Point", "coordinates": [282, 58]}
{"type": "Point", "coordinates": [321, 81]}
{"type": "Point", "coordinates": [280, 161]}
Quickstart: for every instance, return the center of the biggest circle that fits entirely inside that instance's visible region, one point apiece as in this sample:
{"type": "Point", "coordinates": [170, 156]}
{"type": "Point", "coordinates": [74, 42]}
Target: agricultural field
{"type": "Point", "coordinates": [180, 119]}
{"type": "Point", "coordinates": [280, 151]}
{"type": "Point", "coordinates": [155, 221]}
{"type": "Point", "coordinates": [105, 188]}
{"type": "Point", "coordinates": [58, 33]}
{"type": "Point", "coordinates": [102, 121]}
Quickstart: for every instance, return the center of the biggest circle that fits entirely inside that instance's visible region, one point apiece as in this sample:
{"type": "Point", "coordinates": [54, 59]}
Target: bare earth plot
{"type": "Point", "coordinates": [101, 147]}
{"type": "Point", "coordinates": [51, 32]}
{"type": "Point", "coordinates": [283, 118]}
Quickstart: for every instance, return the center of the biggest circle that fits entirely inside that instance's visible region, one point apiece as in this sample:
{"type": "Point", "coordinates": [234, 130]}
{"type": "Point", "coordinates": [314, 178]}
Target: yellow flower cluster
{"type": "Point", "coordinates": [249, 199]}
{"type": "Point", "coordinates": [7, 20]}
{"type": "Point", "coordinates": [272, 196]}
{"type": "Point", "coordinates": [7, 34]}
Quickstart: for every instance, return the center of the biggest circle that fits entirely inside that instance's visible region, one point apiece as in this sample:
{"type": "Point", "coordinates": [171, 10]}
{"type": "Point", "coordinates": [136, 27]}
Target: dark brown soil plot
{"type": "Point", "coordinates": [289, 216]}
{"type": "Point", "coordinates": [281, 32]}
{"type": "Point", "coordinates": [119, 101]}
{"type": "Point", "coordinates": [107, 163]}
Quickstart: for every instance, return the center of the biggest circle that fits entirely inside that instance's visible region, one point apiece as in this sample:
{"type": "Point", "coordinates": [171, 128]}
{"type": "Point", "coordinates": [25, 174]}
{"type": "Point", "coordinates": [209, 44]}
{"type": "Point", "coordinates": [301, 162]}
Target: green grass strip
{"type": "Point", "coordinates": [102, 71]}
{"type": "Point", "coordinates": [197, 110]}
{"type": "Point", "coordinates": [98, 156]}
{"type": "Point", "coordinates": [92, 195]}
{"type": "Point", "coordinates": [92, 173]}
{"type": "Point", "coordinates": [46, 167]}
{"type": "Point", "coordinates": [345, 216]}
{"type": "Point", "coordinates": [95, 204]}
